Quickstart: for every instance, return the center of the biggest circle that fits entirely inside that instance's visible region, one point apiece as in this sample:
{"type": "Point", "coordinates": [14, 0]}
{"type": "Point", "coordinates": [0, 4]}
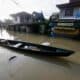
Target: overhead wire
{"type": "Point", "coordinates": [17, 3]}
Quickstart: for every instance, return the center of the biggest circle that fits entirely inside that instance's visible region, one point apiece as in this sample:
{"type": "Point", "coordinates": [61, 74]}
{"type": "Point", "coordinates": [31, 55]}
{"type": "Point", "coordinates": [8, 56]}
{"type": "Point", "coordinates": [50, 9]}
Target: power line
{"type": "Point", "coordinates": [16, 3]}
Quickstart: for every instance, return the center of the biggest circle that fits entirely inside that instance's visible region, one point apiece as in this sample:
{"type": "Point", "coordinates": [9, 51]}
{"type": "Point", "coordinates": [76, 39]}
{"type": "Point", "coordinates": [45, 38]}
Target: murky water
{"type": "Point", "coordinates": [33, 67]}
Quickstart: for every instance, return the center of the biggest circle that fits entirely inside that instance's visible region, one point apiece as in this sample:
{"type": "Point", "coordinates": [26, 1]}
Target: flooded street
{"type": "Point", "coordinates": [33, 67]}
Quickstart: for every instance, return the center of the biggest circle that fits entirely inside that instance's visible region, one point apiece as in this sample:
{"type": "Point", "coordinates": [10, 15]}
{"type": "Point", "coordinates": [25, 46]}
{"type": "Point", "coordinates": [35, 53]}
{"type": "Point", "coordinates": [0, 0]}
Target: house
{"type": "Point", "coordinates": [54, 16]}
{"type": "Point", "coordinates": [38, 17]}
{"type": "Point", "coordinates": [25, 22]}
{"type": "Point", "coordinates": [69, 19]}
{"type": "Point", "coordinates": [22, 17]}
{"type": "Point", "coordinates": [70, 10]}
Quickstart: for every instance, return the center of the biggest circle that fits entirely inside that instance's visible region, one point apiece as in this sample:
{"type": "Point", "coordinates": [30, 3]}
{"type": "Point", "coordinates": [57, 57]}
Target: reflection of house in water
{"type": "Point", "coordinates": [26, 22]}
{"type": "Point", "coordinates": [69, 18]}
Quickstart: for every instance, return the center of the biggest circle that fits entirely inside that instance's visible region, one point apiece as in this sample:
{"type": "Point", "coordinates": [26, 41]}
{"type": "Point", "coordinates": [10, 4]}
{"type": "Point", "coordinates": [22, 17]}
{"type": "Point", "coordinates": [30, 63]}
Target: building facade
{"type": "Point", "coordinates": [70, 10]}
{"type": "Point", "coordinates": [24, 17]}
{"type": "Point", "coordinates": [38, 17]}
{"type": "Point", "coordinates": [21, 18]}
{"type": "Point", "coordinates": [29, 23]}
{"type": "Point", "coordinates": [69, 19]}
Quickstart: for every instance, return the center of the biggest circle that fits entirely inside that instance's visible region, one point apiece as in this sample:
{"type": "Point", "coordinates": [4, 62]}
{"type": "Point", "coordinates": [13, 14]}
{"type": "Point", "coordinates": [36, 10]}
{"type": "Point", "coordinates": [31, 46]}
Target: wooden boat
{"type": "Point", "coordinates": [35, 48]}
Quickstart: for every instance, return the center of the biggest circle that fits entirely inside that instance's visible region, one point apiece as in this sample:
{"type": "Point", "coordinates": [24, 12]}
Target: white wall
{"type": "Point", "coordinates": [17, 20]}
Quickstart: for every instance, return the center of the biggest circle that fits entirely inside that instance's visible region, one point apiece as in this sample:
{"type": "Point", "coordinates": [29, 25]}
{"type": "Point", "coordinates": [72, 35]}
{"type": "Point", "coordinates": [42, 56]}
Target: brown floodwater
{"type": "Point", "coordinates": [34, 67]}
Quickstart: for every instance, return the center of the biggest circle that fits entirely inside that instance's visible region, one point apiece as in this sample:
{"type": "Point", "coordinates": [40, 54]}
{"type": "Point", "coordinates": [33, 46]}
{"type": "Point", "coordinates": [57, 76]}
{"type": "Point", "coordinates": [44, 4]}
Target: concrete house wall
{"type": "Point", "coordinates": [22, 17]}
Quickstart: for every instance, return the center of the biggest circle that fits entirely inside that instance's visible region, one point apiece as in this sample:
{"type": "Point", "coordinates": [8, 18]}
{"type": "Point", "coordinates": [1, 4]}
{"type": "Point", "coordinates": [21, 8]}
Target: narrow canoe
{"type": "Point", "coordinates": [35, 48]}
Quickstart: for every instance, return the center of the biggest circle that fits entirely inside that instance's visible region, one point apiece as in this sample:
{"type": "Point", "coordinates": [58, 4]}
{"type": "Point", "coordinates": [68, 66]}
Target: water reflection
{"type": "Point", "coordinates": [70, 68]}
{"type": "Point", "coordinates": [59, 61]}
{"type": "Point", "coordinates": [44, 67]}
{"type": "Point", "coordinates": [5, 35]}
{"type": "Point", "coordinates": [52, 60]}
{"type": "Point", "coordinates": [64, 43]}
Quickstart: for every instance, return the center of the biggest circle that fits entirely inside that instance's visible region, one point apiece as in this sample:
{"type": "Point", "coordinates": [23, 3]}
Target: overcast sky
{"type": "Point", "coordinates": [8, 7]}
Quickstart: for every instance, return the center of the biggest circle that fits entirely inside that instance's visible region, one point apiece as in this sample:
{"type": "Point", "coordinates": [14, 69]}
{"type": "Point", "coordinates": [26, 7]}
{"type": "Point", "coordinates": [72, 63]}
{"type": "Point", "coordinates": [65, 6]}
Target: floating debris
{"type": "Point", "coordinates": [11, 58]}
{"type": "Point", "coordinates": [46, 43]}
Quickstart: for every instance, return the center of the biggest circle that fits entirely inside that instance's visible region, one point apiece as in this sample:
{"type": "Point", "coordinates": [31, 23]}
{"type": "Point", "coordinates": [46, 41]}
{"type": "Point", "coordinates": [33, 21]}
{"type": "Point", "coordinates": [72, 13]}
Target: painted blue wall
{"type": "Point", "coordinates": [77, 12]}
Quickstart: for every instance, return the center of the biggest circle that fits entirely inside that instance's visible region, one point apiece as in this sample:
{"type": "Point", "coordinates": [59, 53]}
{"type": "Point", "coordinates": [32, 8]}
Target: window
{"type": "Point", "coordinates": [69, 12]}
